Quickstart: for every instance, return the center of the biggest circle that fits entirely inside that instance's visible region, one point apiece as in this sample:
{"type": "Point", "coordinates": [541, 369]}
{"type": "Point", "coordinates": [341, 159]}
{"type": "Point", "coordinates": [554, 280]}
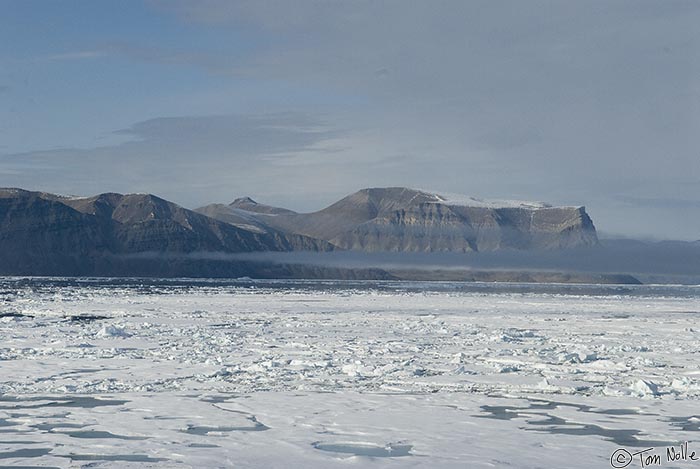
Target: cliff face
{"type": "Point", "coordinates": [43, 234]}
{"type": "Point", "coordinates": [38, 232]}
{"type": "Point", "coordinates": [401, 219]}
{"type": "Point", "coordinates": [141, 234]}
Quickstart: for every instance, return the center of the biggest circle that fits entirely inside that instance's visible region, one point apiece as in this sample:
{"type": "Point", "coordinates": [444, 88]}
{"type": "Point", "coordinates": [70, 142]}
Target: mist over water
{"type": "Point", "coordinates": [663, 262]}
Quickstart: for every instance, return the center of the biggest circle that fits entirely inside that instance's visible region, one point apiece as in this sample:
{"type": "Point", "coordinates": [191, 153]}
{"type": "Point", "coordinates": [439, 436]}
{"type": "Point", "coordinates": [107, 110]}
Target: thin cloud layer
{"type": "Point", "coordinates": [208, 156]}
{"type": "Point", "coordinates": [593, 103]}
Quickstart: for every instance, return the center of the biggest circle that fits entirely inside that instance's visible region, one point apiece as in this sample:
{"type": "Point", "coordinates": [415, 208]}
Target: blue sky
{"type": "Point", "coordinates": [299, 103]}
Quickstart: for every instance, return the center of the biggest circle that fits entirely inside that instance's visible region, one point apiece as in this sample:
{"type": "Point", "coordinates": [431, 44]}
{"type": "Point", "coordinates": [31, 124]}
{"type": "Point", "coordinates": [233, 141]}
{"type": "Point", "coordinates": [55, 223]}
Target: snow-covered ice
{"type": "Point", "coordinates": [469, 201]}
{"type": "Point", "coordinates": [134, 373]}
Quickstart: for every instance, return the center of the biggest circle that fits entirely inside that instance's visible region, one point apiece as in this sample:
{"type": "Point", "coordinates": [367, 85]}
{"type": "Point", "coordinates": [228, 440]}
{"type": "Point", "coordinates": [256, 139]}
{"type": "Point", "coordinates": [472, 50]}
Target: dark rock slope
{"type": "Point", "coordinates": [141, 234]}
{"type": "Point", "coordinates": [401, 219]}
{"type": "Point", "coordinates": [45, 234]}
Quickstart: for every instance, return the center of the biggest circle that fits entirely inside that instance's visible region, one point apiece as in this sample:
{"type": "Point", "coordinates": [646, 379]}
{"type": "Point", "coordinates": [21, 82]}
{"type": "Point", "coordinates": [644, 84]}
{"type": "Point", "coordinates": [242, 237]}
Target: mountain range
{"type": "Point", "coordinates": [398, 219]}
{"type": "Point", "coordinates": [142, 234]}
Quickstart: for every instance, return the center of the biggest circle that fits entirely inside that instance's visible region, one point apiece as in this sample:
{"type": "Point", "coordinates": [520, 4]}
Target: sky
{"type": "Point", "coordinates": [299, 103]}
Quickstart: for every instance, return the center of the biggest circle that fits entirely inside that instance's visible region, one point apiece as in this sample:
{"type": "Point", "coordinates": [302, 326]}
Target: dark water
{"type": "Point", "coordinates": [539, 417]}
{"type": "Point", "coordinates": [10, 286]}
{"type": "Point", "coordinates": [373, 451]}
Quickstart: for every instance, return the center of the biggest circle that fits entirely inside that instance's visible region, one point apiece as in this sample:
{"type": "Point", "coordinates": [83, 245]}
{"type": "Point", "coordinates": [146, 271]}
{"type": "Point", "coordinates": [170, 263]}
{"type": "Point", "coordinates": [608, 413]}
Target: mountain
{"type": "Point", "coordinates": [47, 234]}
{"type": "Point", "coordinates": [398, 219]}
{"type": "Point", "coordinates": [114, 234]}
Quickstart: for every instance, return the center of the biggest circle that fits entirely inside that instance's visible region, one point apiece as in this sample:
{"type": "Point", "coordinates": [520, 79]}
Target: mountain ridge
{"type": "Point", "coordinates": [43, 233]}
{"type": "Point", "coordinates": [403, 219]}
{"type": "Point", "coordinates": [143, 234]}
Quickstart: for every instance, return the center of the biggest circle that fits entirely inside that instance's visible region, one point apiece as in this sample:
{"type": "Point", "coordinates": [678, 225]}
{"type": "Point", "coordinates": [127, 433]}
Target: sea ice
{"type": "Point", "coordinates": [180, 373]}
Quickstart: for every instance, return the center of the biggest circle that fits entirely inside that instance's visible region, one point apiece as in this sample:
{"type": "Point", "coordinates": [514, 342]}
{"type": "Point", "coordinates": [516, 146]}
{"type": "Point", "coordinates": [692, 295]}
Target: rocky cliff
{"type": "Point", "coordinates": [44, 234]}
{"type": "Point", "coordinates": [402, 219]}
{"type": "Point", "coordinates": [141, 234]}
